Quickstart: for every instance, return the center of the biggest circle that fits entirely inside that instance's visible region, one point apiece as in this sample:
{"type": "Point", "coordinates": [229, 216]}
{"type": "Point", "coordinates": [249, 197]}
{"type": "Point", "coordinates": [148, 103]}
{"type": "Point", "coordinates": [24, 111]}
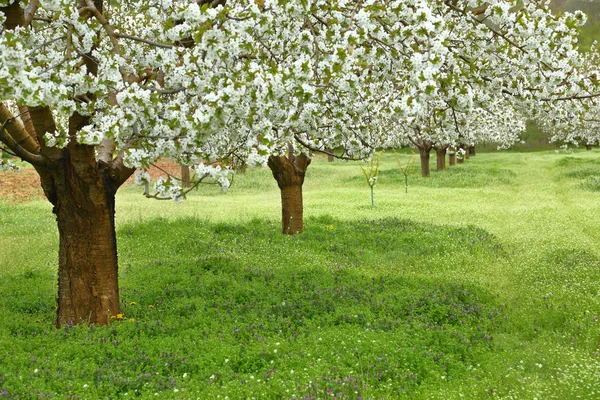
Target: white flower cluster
{"type": "Point", "coordinates": [214, 173]}
{"type": "Point", "coordinates": [141, 177]}
{"type": "Point", "coordinates": [169, 188]}
{"type": "Point", "coordinates": [252, 77]}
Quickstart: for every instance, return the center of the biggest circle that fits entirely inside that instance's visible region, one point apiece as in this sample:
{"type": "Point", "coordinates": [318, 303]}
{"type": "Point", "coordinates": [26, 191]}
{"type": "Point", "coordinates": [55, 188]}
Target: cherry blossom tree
{"type": "Point", "coordinates": [90, 93]}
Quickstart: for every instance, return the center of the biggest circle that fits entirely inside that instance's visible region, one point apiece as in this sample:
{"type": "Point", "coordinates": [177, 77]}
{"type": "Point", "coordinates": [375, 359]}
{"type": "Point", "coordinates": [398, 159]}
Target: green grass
{"type": "Point", "coordinates": [481, 281]}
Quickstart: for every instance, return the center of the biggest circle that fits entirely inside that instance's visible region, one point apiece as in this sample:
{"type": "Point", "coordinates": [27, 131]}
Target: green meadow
{"type": "Point", "coordinates": [479, 282]}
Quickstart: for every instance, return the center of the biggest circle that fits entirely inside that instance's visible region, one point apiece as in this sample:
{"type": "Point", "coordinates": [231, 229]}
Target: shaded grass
{"type": "Point", "coordinates": [245, 311]}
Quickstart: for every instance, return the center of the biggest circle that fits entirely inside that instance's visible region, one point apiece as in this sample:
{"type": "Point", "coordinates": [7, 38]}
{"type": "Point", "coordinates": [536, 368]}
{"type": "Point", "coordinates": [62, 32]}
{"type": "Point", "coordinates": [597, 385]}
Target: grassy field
{"type": "Point", "coordinates": [480, 282]}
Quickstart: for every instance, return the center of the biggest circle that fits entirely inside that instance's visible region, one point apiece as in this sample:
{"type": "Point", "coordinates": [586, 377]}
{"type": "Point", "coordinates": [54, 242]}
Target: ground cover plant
{"type": "Point", "coordinates": [481, 281]}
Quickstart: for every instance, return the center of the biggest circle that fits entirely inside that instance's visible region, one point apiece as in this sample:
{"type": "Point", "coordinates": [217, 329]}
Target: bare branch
{"type": "Point", "coordinates": [91, 8]}
{"type": "Point", "coordinates": [196, 183]}
{"type": "Point", "coordinates": [46, 43]}
{"type": "Point", "coordinates": [574, 97]}
{"type": "Point", "coordinates": [7, 150]}
{"type": "Point", "coordinates": [119, 170]}
{"type": "Point", "coordinates": [27, 123]}
{"type": "Point", "coordinates": [164, 91]}
{"type": "Point", "coordinates": [30, 11]}
{"type": "Point", "coordinates": [329, 153]}
{"type": "Point", "coordinates": [142, 40]}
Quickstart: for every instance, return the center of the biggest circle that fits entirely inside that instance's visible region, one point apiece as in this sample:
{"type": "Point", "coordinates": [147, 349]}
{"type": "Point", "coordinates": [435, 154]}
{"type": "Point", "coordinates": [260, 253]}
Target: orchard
{"type": "Point", "coordinates": [93, 93]}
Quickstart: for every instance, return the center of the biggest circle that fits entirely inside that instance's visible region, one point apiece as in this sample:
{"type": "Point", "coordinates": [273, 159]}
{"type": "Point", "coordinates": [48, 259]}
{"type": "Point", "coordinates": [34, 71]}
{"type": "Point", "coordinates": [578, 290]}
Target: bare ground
{"type": "Point", "coordinates": [25, 185]}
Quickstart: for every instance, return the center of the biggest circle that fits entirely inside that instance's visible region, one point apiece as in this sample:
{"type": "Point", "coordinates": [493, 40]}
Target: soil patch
{"type": "Point", "coordinates": [19, 187]}
{"type": "Point", "coordinates": [24, 186]}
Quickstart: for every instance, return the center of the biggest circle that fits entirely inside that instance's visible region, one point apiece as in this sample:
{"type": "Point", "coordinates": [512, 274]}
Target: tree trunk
{"type": "Point", "coordinates": [461, 160]}
{"type": "Point", "coordinates": [82, 191]}
{"type": "Point", "coordinates": [440, 154]}
{"type": "Point", "coordinates": [185, 176]}
{"type": "Point", "coordinates": [88, 289]}
{"type": "Point", "coordinates": [424, 151]}
{"type": "Point", "coordinates": [14, 14]}
{"type": "Point", "coordinates": [588, 147]}
{"type": "Point", "coordinates": [83, 194]}
{"type": "Point", "coordinates": [467, 152]}
{"type": "Point", "coordinates": [289, 173]}
{"type": "Point", "coordinates": [81, 185]}
{"type": "Point", "coordinates": [472, 151]}
{"type": "Point", "coordinates": [452, 158]}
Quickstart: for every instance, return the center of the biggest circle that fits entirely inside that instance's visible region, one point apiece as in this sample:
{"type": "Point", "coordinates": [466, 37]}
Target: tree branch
{"type": "Point", "coordinates": [17, 131]}
{"type": "Point", "coordinates": [142, 40]}
{"type": "Point", "coordinates": [198, 182]}
{"type": "Point", "coordinates": [30, 11]}
{"type": "Point", "coordinates": [574, 97]}
{"type": "Point", "coordinates": [106, 150]}
{"type": "Point", "coordinates": [91, 8]}
{"type": "Point", "coordinates": [8, 140]}
{"type": "Point", "coordinates": [27, 123]}
{"type": "Point", "coordinates": [119, 170]}
{"type": "Point", "coordinates": [329, 153]}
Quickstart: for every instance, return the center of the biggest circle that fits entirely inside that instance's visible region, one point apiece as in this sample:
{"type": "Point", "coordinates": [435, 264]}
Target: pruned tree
{"type": "Point", "coordinates": [90, 93]}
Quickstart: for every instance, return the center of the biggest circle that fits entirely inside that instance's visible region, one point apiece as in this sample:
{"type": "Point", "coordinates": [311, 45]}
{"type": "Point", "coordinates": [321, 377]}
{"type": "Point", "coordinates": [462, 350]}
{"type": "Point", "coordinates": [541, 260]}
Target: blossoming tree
{"type": "Point", "coordinates": [90, 93]}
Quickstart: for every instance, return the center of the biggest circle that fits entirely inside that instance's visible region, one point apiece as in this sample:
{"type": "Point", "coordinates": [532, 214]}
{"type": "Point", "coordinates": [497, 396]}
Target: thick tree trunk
{"type": "Point", "coordinates": [83, 194]}
{"type": "Point", "coordinates": [472, 151]}
{"type": "Point", "coordinates": [14, 14]}
{"type": "Point", "coordinates": [82, 191]}
{"type": "Point", "coordinates": [330, 157]}
{"type": "Point", "coordinates": [289, 173]}
{"type": "Point", "coordinates": [588, 147]}
{"type": "Point", "coordinates": [440, 154]}
{"type": "Point", "coordinates": [88, 289]}
{"type": "Point", "coordinates": [81, 185]}
{"type": "Point", "coordinates": [185, 176]}
{"type": "Point", "coordinates": [467, 152]}
{"type": "Point", "coordinates": [424, 151]}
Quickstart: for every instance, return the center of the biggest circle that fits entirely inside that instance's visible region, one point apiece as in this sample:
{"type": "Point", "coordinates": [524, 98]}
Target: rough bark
{"type": "Point", "coordinates": [472, 151]}
{"type": "Point", "coordinates": [467, 152]}
{"type": "Point", "coordinates": [424, 149]}
{"type": "Point", "coordinates": [289, 173]}
{"type": "Point", "coordinates": [330, 157]}
{"type": "Point", "coordinates": [82, 192]}
{"type": "Point", "coordinates": [15, 15]}
{"type": "Point", "coordinates": [440, 153]}
{"type": "Point", "coordinates": [588, 147]}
